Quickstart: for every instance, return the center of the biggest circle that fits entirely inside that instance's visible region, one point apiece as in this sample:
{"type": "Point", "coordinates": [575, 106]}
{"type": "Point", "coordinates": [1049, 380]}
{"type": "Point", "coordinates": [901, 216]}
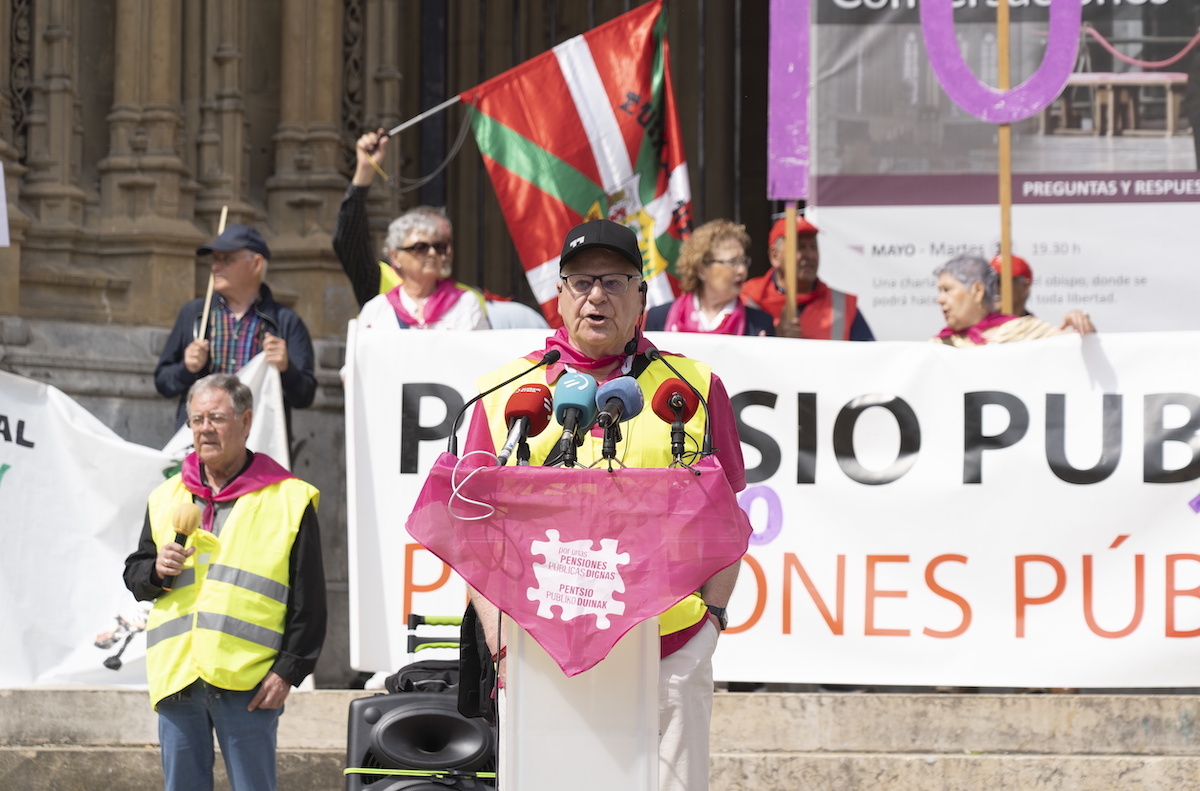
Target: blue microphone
{"type": "Point", "coordinates": [575, 411]}
{"type": "Point", "coordinates": [619, 400]}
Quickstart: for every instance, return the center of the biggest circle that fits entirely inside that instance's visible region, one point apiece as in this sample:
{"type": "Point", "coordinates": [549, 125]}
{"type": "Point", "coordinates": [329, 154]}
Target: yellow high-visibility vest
{"type": "Point", "coordinates": [223, 621]}
{"type": "Point", "coordinates": [646, 442]}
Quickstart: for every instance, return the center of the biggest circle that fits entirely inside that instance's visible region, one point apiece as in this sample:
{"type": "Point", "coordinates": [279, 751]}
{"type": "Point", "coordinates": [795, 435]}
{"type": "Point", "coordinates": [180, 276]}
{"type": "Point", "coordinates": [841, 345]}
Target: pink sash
{"type": "Point", "coordinates": [681, 317]}
{"type": "Point", "coordinates": [445, 295]}
{"type": "Point", "coordinates": [577, 360]}
{"type": "Point", "coordinates": [578, 557]}
{"type": "Point", "coordinates": [262, 472]}
{"type": "Point", "coordinates": [974, 333]}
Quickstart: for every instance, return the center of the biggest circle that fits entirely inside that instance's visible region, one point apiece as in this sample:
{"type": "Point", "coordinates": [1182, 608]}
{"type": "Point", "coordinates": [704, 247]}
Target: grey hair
{"type": "Point", "coordinates": [972, 269]}
{"type": "Point", "coordinates": [240, 395]}
{"type": "Point", "coordinates": [428, 219]}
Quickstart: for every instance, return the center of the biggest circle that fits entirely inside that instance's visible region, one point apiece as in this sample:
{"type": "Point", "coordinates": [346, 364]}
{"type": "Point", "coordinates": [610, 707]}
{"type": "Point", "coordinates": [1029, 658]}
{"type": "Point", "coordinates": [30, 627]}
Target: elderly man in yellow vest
{"type": "Point", "coordinates": [239, 606]}
{"type": "Point", "coordinates": [601, 299]}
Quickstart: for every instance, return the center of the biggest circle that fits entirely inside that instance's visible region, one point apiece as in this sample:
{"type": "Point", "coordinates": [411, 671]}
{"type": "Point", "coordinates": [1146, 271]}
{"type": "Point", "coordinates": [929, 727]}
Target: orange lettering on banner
{"type": "Point", "coordinates": [1174, 593]}
{"type": "Point", "coordinates": [411, 587]}
{"type": "Point", "coordinates": [837, 624]}
{"type": "Point", "coordinates": [1022, 600]}
{"type": "Point", "coordinates": [869, 628]}
{"type": "Point", "coordinates": [937, 589]}
{"type": "Point", "coordinates": [1139, 598]}
{"type": "Point", "coordinates": [760, 599]}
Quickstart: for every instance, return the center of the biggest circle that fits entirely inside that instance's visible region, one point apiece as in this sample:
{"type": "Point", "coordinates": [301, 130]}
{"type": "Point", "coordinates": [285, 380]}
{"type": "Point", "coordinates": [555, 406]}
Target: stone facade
{"type": "Point", "coordinates": [127, 126]}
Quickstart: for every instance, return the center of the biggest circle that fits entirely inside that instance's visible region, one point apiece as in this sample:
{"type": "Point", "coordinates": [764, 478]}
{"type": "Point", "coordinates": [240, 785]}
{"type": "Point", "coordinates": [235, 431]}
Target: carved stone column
{"type": "Point", "coordinates": [383, 32]}
{"type": "Point", "coordinates": [52, 189]}
{"type": "Point", "coordinates": [220, 139]}
{"type": "Point", "coordinates": [145, 190]}
{"type": "Point", "coordinates": [306, 188]}
{"type": "Point", "coordinates": [15, 51]}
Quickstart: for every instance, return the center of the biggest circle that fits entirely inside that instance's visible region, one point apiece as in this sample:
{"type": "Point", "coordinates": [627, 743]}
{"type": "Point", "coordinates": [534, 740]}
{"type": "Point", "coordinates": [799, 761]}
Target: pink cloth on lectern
{"type": "Point", "coordinates": [579, 557]}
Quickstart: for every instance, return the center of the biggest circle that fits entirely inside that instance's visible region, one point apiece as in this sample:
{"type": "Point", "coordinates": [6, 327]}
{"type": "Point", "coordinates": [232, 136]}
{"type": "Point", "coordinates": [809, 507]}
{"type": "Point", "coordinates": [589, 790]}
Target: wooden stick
{"type": "Point", "coordinates": [789, 263]}
{"type": "Point", "coordinates": [1004, 139]}
{"type": "Point", "coordinates": [211, 279]}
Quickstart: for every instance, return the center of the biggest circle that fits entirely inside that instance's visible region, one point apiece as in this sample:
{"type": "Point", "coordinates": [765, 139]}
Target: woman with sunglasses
{"type": "Point", "coordinates": [425, 296]}
{"type": "Point", "coordinates": [412, 287]}
{"type": "Point", "coordinates": [712, 268]}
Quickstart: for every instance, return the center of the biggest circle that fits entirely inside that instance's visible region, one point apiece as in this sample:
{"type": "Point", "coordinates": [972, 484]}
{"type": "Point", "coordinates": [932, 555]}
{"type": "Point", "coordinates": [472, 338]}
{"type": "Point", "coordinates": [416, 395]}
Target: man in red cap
{"type": "Point", "coordinates": [1022, 279]}
{"type": "Point", "coordinates": [822, 313]}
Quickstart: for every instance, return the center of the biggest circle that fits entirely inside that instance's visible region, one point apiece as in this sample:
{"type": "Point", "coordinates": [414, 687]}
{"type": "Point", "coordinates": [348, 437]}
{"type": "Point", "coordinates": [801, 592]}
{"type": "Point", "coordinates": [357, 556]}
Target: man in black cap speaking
{"type": "Point", "coordinates": [244, 319]}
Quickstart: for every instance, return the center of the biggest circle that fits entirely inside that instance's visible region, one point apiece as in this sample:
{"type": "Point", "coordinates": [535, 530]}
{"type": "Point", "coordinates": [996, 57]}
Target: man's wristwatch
{"type": "Point", "coordinates": [722, 616]}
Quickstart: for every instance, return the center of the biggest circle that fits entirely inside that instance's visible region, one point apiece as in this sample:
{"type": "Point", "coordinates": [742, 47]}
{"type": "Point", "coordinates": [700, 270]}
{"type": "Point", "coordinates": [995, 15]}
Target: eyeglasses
{"type": "Point", "coordinates": [616, 283]}
{"type": "Point", "coordinates": [731, 262]}
{"type": "Point", "coordinates": [421, 249]}
{"type": "Point", "coordinates": [215, 419]}
{"type": "Point", "coordinates": [231, 258]}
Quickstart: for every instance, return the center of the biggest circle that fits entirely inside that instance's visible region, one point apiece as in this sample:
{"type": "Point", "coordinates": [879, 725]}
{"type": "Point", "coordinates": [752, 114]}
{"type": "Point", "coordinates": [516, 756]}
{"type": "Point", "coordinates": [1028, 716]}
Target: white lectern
{"type": "Point", "coordinates": [595, 731]}
{"type": "Point", "coordinates": [577, 558]}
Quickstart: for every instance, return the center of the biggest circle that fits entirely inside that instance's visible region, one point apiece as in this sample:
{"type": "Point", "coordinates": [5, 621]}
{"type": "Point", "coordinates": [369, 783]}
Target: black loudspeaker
{"type": "Point", "coordinates": [417, 731]}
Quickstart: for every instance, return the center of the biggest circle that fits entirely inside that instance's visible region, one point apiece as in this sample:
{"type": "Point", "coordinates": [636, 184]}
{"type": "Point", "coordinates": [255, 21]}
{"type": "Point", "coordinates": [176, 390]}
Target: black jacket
{"type": "Point", "coordinates": [172, 378]}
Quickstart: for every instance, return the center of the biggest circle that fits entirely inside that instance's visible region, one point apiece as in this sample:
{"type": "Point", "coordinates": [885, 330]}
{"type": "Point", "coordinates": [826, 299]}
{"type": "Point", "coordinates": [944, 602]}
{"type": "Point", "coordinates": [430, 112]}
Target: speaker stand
{"type": "Point", "coordinates": [596, 731]}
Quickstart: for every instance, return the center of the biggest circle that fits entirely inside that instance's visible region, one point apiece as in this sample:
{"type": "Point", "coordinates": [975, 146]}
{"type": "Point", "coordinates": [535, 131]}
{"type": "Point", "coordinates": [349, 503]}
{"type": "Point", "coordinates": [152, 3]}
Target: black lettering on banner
{"type": "Point", "coordinates": [1056, 440]}
{"type": "Point", "coordinates": [843, 438]}
{"type": "Point", "coordinates": [767, 448]}
{"type": "Point", "coordinates": [806, 437]}
{"type": "Point", "coordinates": [412, 433]}
{"type": "Point", "coordinates": [974, 441]}
{"type": "Point", "coordinates": [1156, 436]}
{"type": "Point", "coordinates": [6, 432]}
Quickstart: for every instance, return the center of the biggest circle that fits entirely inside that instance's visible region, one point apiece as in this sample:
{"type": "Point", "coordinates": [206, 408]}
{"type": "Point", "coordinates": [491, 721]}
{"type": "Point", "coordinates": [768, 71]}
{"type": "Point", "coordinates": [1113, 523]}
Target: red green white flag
{"type": "Point", "coordinates": [584, 131]}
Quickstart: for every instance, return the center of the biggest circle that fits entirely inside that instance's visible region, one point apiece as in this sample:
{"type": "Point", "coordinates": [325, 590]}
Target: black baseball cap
{"type": "Point", "coordinates": [605, 234]}
{"type": "Point", "coordinates": [237, 237]}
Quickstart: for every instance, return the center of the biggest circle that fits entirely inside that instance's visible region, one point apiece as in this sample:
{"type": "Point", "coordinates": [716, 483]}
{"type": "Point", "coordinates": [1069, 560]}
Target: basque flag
{"type": "Point", "coordinates": [584, 131]}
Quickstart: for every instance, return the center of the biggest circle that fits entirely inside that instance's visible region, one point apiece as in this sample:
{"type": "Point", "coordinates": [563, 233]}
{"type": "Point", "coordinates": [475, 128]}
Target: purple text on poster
{"type": "Point", "coordinates": [787, 100]}
{"type": "Point", "coordinates": [983, 101]}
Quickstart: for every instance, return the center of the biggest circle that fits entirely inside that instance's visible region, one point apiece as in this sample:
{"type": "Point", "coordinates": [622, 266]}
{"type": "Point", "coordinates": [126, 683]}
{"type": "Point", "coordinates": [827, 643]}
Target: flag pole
{"type": "Point", "coordinates": [416, 119]}
{"type": "Point", "coordinates": [211, 278]}
{"type": "Point", "coordinates": [1004, 140]}
{"type": "Point", "coordinates": [789, 263]}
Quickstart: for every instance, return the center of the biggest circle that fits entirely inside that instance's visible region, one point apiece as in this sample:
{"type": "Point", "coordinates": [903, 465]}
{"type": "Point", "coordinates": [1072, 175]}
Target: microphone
{"type": "Point", "coordinates": [549, 358]}
{"type": "Point", "coordinates": [675, 403]}
{"type": "Point", "coordinates": [528, 413]}
{"type": "Point", "coordinates": [619, 400]}
{"type": "Point", "coordinates": [185, 519]}
{"type": "Point", "coordinates": [707, 448]}
{"type": "Point", "coordinates": [575, 411]}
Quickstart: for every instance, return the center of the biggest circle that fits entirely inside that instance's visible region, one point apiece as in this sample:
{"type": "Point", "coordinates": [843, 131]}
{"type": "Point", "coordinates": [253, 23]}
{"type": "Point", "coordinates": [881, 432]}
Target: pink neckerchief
{"type": "Point", "coordinates": [681, 317]}
{"type": "Point", "coordinates": [259, 474]}
{"type": "Point", "coordinates": [974, 333]}
{"type": "Point", "coordinates": [575, 360]}
{"type": "Point", "coordinates": [445, 296]}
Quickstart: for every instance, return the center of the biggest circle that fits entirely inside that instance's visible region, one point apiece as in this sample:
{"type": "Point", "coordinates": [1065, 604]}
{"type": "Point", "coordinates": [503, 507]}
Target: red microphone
{"type": "Point", "coordinates": [674, 400]}
{"type": "Point", "coordinates": [675, 403]}
{"type": "Point", "coordinates": [528, 412]}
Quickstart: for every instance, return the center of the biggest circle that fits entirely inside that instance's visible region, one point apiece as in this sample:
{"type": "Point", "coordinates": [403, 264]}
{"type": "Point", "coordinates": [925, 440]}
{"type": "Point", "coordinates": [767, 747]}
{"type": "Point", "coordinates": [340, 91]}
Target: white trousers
{"type": "Point", "coordinates": [685, 690]}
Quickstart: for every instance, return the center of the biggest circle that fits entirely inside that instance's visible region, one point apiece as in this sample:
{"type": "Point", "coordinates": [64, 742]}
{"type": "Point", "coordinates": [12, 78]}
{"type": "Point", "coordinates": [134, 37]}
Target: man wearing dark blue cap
{"type": "Point", "coordinates": [244, 319]}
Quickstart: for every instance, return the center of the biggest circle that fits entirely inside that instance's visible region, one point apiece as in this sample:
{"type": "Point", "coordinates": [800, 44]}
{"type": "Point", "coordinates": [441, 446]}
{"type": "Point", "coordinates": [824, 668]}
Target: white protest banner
{"type": "Point", "coordinates": [72, 503]}
{"type": "Point", "coordinates": [1011, 515]}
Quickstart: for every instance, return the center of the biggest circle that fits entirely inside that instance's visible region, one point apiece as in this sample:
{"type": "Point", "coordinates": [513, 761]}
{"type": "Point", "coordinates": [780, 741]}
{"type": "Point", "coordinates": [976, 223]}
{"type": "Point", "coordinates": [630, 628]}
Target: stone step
{"type": "Point", "coordinates": [106, 740]}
